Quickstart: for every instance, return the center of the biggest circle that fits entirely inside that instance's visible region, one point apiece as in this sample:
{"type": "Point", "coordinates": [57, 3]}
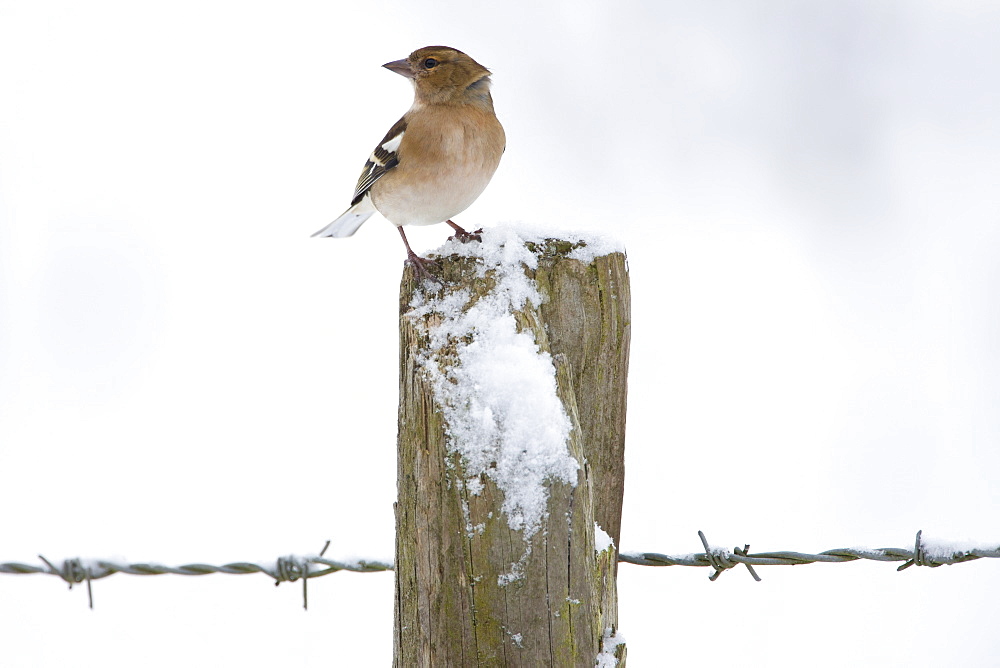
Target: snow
{"type": "Point", "coordinates": [606, 658]}
{"type": "Point", "coordinates": [516, 571]}
{"type": "Point", "coordinates": [602, 540]}
{"type": "Point", "coordinates": [946, 549]}
{"type": "Point", "coordinates": [499, 398]}
{"type": "Point", "coordinates": [940, 549]}
{"type": "Point", "coordinates": [591, 244]}
{"type": "Point", "coordinates": [869, 551]}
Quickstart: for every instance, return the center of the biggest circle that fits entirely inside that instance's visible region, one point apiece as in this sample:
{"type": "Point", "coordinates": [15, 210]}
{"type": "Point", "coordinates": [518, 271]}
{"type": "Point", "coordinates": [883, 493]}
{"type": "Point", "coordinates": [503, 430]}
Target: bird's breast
{"type": "Point", "coordinates": [443, 168]}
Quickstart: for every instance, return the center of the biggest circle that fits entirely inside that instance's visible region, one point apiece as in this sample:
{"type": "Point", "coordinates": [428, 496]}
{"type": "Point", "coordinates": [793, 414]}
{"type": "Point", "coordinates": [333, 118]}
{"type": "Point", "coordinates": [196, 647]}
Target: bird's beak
{"type": "Point", "coordinates": [401, 67]}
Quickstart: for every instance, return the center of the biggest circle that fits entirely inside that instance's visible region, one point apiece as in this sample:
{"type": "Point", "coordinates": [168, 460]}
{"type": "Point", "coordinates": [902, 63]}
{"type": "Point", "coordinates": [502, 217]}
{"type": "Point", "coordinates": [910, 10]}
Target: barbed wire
{"type": "Point", "coordinates": [291, 568]}
{"type": "Point", "coordinates": [721, 559]}
{"type": "Point", "coordinates": [285, 569]}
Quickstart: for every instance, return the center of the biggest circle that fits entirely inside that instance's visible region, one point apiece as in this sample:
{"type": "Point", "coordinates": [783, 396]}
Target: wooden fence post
{"type": "Point", "coordinates": [511, 455]}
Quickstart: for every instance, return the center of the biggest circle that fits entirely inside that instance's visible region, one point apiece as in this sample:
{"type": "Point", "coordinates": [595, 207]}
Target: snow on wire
{"type": "Point", "coordinates": [292, 568]}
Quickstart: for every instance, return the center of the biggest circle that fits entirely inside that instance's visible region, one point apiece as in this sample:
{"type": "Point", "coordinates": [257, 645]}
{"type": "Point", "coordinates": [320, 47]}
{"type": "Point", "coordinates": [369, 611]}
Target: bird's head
{"type": "Point", "coordinates": [441, 75]}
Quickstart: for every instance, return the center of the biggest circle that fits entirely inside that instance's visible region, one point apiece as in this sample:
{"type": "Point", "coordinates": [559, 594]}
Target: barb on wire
{"type": "Point", "coordinates": [718, 558]}
{"type": "Point", "coordinates": [74, 572]}
{"type": "Point", "coordinates": [291, 568]}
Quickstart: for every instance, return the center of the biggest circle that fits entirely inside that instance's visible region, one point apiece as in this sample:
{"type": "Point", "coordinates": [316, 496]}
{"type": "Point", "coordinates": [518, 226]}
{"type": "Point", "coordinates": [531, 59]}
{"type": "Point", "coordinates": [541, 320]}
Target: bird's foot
{"type": "Point", "coordinates": [420, 265]}
{"type": "Point", "coordinates": [462, 235]}
{"type": "Point", "coordinates": [466, 237]}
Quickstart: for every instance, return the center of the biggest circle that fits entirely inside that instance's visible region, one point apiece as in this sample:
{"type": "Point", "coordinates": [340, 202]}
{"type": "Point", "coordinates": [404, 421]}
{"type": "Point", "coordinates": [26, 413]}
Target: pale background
{"type": "Point", "coordinates": [810, 197]}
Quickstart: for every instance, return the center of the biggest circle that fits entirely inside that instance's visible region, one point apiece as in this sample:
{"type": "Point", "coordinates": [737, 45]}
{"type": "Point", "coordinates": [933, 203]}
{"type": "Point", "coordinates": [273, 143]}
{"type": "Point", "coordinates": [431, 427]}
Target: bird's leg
{"type": "Point", "coordinates": [414, 259]}
{"type": "Point", "coordinates": [462, 235]}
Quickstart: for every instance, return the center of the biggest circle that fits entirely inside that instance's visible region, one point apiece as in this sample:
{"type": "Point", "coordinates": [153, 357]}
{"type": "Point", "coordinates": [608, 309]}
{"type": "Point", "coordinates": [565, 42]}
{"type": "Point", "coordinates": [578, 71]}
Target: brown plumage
{"type": "Point", "coordinates": [439, 157]}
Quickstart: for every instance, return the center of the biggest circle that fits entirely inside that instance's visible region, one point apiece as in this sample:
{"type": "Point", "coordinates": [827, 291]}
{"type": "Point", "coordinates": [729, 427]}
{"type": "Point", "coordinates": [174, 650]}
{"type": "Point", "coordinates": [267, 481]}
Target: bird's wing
{"type": "Point", "coordinates": [382, 159]}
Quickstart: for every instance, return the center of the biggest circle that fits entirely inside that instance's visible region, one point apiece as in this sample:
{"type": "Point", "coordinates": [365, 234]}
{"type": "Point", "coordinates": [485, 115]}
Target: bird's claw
{"type": "Point", "coordinates": [462, 235]}
{"type": "Point", "coordinates": [419, 265]}
{"type": "Point", "coordinates": [466, 237]}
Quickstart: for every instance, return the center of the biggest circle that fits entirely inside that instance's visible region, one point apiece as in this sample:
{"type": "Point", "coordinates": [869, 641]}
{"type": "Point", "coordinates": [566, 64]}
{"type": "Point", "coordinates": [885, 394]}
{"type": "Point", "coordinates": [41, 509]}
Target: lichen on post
{"type": "Point", "coordinates": [511, 432]}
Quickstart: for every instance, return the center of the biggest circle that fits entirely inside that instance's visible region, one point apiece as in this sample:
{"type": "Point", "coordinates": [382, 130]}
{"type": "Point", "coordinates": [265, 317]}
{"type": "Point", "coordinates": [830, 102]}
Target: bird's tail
{"type": "Point", "coordinates": [349, 221]}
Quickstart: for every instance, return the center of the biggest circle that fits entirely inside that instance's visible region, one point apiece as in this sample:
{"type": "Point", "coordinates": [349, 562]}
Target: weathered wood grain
{"type": "Point", "coordinates": [470, 591]}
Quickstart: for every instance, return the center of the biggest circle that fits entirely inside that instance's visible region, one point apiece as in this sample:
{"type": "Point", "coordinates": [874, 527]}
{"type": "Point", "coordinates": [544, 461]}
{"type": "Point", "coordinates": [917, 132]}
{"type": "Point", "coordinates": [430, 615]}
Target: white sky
{"type": "Point", "coordinates": [809, 197]}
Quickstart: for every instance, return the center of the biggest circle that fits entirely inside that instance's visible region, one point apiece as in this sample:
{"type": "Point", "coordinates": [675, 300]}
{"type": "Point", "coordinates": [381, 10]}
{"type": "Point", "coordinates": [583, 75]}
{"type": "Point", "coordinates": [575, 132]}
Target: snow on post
{"type": "Point", "coordinates": [511, 451]}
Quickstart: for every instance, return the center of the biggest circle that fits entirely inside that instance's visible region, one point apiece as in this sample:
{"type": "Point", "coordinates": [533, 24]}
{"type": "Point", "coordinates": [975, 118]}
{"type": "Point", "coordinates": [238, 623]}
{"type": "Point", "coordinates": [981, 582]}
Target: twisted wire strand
{"type": "Point", "coordinates": [286, 569]}
{"type": "Point", "coordinates": [721, 560]}
{"type": "Point", "coordinates": [78, 570]}
{"type": "Point", "coordinates": [291, 568]}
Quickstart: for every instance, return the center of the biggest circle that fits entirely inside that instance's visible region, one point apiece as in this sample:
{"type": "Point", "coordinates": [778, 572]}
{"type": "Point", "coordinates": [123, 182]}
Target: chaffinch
{"type": "Point", "coordinates": [438, 158]}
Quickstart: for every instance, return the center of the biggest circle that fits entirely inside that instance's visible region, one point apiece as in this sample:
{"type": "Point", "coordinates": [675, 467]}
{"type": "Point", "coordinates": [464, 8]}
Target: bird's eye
{"type": "Point", "coordinates": [430, 63]}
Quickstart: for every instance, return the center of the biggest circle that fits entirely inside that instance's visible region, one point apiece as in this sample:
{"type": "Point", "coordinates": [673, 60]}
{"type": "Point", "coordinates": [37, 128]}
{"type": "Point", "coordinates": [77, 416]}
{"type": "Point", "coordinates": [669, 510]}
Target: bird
{"type": "Point", "coordinates": [438, 158]}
